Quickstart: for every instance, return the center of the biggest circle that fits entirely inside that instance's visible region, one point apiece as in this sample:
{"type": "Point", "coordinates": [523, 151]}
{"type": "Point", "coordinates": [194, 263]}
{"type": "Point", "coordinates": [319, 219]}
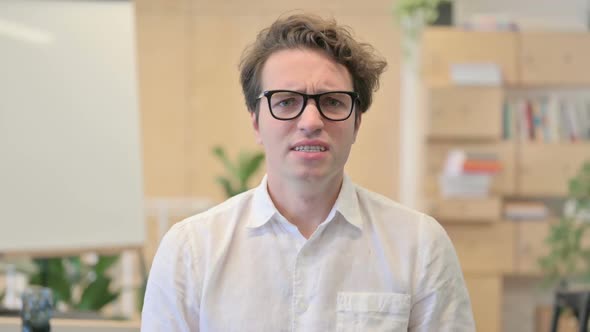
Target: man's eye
{"type": "Point", "coordinates": [286, 102]}
{"type": "Point", "coordinates": [332, 102]}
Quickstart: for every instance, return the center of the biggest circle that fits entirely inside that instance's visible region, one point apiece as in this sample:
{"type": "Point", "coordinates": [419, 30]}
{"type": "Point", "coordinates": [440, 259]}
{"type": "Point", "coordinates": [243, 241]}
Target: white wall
{"type": "Point", "coordinates": [531, 14]}
{"type": "Point", "coordinates": [70, 164]}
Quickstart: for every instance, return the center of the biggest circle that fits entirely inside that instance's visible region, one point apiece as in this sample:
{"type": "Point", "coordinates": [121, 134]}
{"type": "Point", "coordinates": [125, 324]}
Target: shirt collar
{"type": "Point", "coordinates": [263, 208]}
{"type": "Point", "coordinates": [347, 204]}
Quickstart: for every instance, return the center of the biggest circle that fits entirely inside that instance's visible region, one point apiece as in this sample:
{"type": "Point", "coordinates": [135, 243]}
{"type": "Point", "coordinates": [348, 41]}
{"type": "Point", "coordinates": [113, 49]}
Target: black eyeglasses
{"type": "Point", "coordinates": [333, 105]}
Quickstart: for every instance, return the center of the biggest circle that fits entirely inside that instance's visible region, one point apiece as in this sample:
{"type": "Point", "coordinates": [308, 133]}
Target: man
{"type": "Point", "coordinates": [307, 250]}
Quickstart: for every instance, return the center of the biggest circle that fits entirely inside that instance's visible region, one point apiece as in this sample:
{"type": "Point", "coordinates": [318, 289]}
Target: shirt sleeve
{"type": "Point", "coordinates": [171, 299]}
{"type": "Point", "coordinates": [441, 301]}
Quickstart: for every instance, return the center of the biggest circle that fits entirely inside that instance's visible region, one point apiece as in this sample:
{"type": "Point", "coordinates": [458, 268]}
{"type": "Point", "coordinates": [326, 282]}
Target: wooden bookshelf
{"type": "Point", "coordinates": [452, 107]}
{"type": "Point", "coordinates": [442, 47]}
{"type": "Point", "coordinates": [554, 58]}
{"type": "Point", "coordinates": [543, 169]}
{"type": "Point", "coordinates": [472, 119]}
{"type": "Point", "coordinates": [436, 153]}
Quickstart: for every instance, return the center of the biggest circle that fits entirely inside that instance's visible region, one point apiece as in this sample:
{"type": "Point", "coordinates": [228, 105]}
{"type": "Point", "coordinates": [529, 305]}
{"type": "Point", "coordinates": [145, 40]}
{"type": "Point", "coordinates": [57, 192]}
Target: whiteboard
{"type": "Point", "coordinates": [70, 162]}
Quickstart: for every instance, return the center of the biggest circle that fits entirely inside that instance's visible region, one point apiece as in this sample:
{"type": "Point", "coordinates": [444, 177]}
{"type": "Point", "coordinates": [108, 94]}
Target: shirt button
{"type": "Point", "coordinates": [301, 306]}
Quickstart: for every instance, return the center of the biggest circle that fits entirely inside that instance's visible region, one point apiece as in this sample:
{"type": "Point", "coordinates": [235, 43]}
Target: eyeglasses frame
{"type": "Point", "coordinates": [268, 94]}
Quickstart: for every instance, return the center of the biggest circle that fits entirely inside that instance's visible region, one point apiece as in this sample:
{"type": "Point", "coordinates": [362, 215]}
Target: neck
{"type": "Point", "coordinates": [305, 203]}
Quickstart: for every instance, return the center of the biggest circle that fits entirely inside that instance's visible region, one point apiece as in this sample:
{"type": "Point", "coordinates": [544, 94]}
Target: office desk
{"type": "Point", "coordinates": [13, 324]}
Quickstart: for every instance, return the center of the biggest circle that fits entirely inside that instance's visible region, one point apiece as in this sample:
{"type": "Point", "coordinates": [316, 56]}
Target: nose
{"type": "Point", "coordinates": [310, 121]}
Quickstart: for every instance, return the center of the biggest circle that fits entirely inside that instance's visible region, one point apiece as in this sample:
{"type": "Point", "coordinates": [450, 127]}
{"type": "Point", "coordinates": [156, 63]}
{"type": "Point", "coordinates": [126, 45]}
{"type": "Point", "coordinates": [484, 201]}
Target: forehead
{"type": "Point", "coordinates": [304, 69]}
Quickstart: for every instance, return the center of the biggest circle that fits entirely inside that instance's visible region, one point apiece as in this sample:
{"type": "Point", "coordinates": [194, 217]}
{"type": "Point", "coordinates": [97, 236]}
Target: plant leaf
{"type": "Point", "coordinates": [249, 164]}
{"type": "Point", "coordinates": [96, 295]}
{"type": "Point", "coordinates": [254, 164]}
{"type": "Point", "coordinates": [221, 155]}
{"type": "Point", "coordinates": [51, 271]}
{"type": "Point", "coordinates": [75, 269]}
{"type": "Point", "coordinates": [576, 188]}
{"type": "Point", "coordinates": [239, 174]}
{"type": "Point", "coordinates": [226, 185]}
{"type": "Point", "coordinates": [104, 263]}
{"type": "Point", "coordinates": [141, 295]}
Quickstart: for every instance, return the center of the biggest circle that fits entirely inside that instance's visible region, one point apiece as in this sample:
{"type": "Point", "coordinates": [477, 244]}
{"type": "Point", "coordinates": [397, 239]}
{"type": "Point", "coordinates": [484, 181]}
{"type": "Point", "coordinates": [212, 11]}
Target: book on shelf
{"type": "Point", "coordinates": [547, 119]}
{"type": "Point", "coordinates": [468, 174]}
{"type": "Point", "coordinates": [552, 120]}
{"type": "Point", "coordinates": [525, 211]}
{"type": "Point", "coordinates": [482, 166]}
{"type": "Point", "coordinates": [530, 120]}
{"type": "Point", "coordinates": [489, 22]}
{"type": "Point", "coordinates": [464, 185]}
{"type": "Point", "coordinates": [507, 127]}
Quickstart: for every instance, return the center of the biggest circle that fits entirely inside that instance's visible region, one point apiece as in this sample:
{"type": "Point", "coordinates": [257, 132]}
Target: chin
{"type": "Point", "coordinates": [308, 174]}
{"type": "Point", "coordinates": [314, 174]}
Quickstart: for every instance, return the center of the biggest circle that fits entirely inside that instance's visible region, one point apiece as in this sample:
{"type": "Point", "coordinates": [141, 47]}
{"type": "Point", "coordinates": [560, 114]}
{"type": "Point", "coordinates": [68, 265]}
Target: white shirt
{"type": "Point", "coordinates": [372, 265]}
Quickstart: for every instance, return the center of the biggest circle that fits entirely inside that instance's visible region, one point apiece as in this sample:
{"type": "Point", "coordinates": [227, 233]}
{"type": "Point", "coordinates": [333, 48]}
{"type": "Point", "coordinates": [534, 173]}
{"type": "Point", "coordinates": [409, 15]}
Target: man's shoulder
{"type": "Point", "coordinates": [222, 212]}
{"type": "Point", "coordinates": [213, 221]}
{"type": "Point", "coordinates": [382, 203]}
{"type": "Point", "coordinates": [393, 212]}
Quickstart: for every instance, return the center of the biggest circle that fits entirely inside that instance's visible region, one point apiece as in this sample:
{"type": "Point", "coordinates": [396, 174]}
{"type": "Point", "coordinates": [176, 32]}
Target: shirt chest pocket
{"type": "Point", "coordinates": [372, 312]}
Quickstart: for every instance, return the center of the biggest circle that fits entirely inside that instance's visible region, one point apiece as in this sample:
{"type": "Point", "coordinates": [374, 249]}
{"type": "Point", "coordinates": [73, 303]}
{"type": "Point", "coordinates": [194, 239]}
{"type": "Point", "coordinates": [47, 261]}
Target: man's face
{"type": "Point", "coordinates": [310, 72]}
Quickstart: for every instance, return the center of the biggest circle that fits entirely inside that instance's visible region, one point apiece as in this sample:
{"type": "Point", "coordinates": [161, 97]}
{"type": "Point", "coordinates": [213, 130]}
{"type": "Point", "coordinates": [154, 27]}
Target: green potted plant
{"type": "Point", "coordinates": [77, 284]}
{"type": "Point", "coordinates": [413, 15]}
{"type": "Point", "coordinates": [568, 260]}
{"type": "Point", "coordinates": [238, 173]}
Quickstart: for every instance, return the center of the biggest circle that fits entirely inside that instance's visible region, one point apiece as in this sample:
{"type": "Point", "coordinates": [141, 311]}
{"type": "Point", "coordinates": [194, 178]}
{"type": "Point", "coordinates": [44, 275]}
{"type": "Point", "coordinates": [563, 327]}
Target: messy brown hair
{"type": "Point", "coordinates": [305, 31]}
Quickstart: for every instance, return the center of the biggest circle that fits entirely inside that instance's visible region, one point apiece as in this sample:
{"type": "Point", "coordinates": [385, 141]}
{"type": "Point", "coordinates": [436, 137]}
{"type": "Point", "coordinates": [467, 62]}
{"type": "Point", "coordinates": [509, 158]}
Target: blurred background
{"type": "Point", "coordinates": [120, 118]}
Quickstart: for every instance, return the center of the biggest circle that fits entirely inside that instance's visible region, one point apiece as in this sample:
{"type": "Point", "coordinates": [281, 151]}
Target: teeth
{"type": "Point", "coordinates": [310, 148]}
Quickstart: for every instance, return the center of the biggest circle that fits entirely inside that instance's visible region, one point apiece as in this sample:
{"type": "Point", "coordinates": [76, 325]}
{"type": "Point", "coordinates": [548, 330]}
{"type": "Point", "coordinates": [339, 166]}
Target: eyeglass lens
{"type": "Point", "coordinates": [334, 105]}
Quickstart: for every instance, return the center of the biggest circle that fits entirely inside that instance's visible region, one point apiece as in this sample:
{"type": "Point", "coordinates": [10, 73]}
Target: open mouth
{"type": "Point", "coordinates": [310, 148]}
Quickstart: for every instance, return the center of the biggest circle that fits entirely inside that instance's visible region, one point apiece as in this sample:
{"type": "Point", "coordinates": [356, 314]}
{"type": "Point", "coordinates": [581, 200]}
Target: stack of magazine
{"type": "Point", "coordinates": [468, 174]}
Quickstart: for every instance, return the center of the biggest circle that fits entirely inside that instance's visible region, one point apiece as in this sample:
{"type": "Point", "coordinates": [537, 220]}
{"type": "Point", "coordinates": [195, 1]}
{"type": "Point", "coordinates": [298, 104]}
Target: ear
{"type": "Point", "coordinates": [357, 124]}
{"type": "Point", "coordinates": [255, 125]}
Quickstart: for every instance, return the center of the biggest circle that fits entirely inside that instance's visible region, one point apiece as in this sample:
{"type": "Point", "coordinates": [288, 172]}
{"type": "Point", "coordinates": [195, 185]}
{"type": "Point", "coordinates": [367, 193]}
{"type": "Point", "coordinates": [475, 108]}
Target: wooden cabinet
{"type": "Point", "coordinates": [525, 58]}
{"type": "Point", "coordinates": [554, 58]}
{"type": "Point", "coordinates": [544, 169]}
{"type": "Point", "coordinates": [471, 119]}
{"type": "Point", "coordinates": [483, 248]}
{"type": "Point", "coordinates": [465, 113]}
{"type": "Point", "coordinates": [470, 210]}
{"type": "Point", "coordinates": [436, 154]}
{"type": "Point", "coordinates": [443, 47]}
{"type": "Point", "coordinates": [530, 246]}
{"type": "Point", "coordinates": [486, 301]}
{"type": "Point", "coordinates": [162, 49]}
